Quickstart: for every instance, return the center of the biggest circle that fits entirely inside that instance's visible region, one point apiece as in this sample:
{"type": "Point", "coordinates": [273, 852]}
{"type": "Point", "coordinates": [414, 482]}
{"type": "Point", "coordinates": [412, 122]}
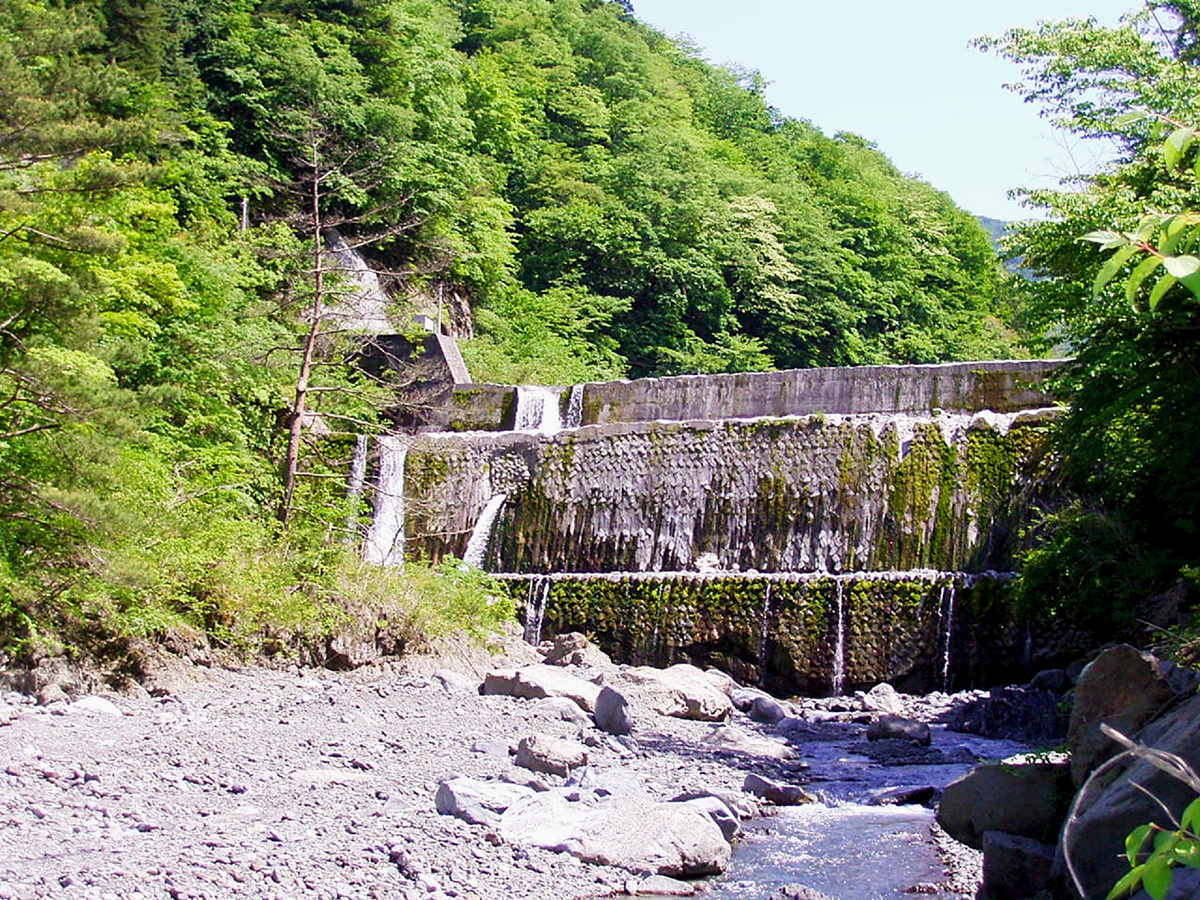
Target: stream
{"type": "Point", "coordinates": [846, 848]}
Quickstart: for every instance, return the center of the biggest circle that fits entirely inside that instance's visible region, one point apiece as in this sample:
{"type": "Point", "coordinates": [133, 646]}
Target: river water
{"type": "Point", "coordinates": [843, 846]}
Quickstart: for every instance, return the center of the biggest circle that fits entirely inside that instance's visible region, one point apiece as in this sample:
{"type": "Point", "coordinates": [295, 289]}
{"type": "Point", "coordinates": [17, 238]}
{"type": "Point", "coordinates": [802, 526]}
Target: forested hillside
{"type": "Point", "coordinates": [602, 201]}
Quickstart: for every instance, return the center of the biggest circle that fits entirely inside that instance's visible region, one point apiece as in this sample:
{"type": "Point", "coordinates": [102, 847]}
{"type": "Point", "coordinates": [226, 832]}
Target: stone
{"type": "Point", "coordinates": [538, 681]}
{"type": "Point", "coordinates": [776, 792]}
{"type": "Point", "coordinates": [550, 755]}
{"type": "Point", "coordinates": [636, 834]}
{"type": "Point", "coordinates": [798, 892]}
{"type": "Point", "coordinates": [1026, 714]}
{"type": "Point", "coordinates": [1056, 681]}
{"type": "Point", "coordinates": [681, 691]}
{"type": "Point", "coordinates": [903, 795]}
{"type": "Point", "coordinates": [478, 802]}
{"type": "Point", "coordinates": [659, 886]}
{"type": "Point", "coordinates": [563, 708]}
{"type": "Point", "coordinates": [715, 808]}
{"type": "Point", "coordinates": [1026, 799]}
{"type": "Point", "coordinates": [94, 704]}
{"type": "Point", "coordinates": [612, 712]}
{"type": "Point", "coordinates": [1014, 867]}
{"type": "Point", "coordinates": [767, 710]}
{"type": "Point", "coordinates": [881, 698]}
{"type": "Point", "coordinates": [574, 649]}
{"type": "Point", "coordinates": [739, 804]}
{"type": "Point", "coordinates": [733, 739]}
{"type": "Point", "coordinates": [889, 727]}
{"type": "Point", "coordinates": [743, 698]}
{"type": "Point", "coordinates": [1123, 688]}
{"type": "Point", "coordinates": [455, 682]}
{"type": "Point", "coordinates": [1109, 812]}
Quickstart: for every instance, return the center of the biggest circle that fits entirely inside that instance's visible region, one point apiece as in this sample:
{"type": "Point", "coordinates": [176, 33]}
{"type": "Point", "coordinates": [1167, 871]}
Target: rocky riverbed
{"type": "Point", "coordinates": [245, 782]}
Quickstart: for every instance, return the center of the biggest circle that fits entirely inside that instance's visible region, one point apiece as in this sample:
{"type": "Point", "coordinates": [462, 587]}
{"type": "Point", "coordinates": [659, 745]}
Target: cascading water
{"type": "Point", "coordinates": [535, 607]}
{"type": "Point", "coordinates": [356, 482]}
{"type": "Point", "coordinates": [574, 417]}
{"type": "Point", "coordinates": [838, 678]}
{"type": "Point", "coordinates": [764, 637]}
{"type": "Point", "coordinates": [948, 594]}
{"type": "Point", "coordinates": [537, 410]}
{"type": "Point", "coordinates": [384, 544]}
{"type": "Point", "coordinates": [477, 544]}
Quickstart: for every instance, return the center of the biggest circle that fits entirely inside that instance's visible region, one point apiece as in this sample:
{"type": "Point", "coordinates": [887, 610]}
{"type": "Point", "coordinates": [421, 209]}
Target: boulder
{"type": "Point", "coordinates": [881, 698]}
{"type": "Point", "coordinates": [903, 795]}
{"type": "Point", "coordinates": [767, 710]}
{"type": "Point", "coordinates": [574, 649]}
{"type": "Point", "coordinates": [1056, 681]}
{"type": "Point", "coordinates": [716, 809]}
{"type": "Point", "coordinates": [1025, 714]}
{"type": "Point", "coordinates": [889, 727]}
{"type": "Point", "coordinates": [549, 755]}
{"type": "Point", "coordinates": [478, 802]}
{"type": "Point", "coordinates": [1026, 799]}
{"type": "Point", "coordinates": [635, 834]}
{"type": "Point", "coordinates": [798, 892]}
{"type": "Point", "coordinates": [1121, 687]}
{"type": "Point", "coordinates": [732, 739]}
{"type": "Point", "coordinates": [682, 691]}
{"type": "Point", "coordinates": [776, 792]}
{"type": "Point", "coordinates": [538, 681]}
{"type": "Point", "coordinates": [743, 698]}
{"type": "Point", "coordinates": [1107, 814]}
{"type": "Point", "coordinates": [659, 886]}
{"type": "Point", "coordinates": [612, 712]}
{"type": "Point", "coordinates": [1014, 867]}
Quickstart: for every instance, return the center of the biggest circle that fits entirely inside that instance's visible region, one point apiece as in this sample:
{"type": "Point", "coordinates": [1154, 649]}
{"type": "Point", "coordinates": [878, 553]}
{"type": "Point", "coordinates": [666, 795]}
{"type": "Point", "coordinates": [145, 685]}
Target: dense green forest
{"type": "Point", "coordinates": [597, 200]}
{"type": "Point", "coordinates": [600, 201]}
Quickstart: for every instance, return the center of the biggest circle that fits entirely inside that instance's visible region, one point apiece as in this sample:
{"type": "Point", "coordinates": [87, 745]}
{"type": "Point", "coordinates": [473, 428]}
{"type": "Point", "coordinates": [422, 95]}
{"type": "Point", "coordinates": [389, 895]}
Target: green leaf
{"type": "Point", "coordinates": [1188, 820]}
{"type": "Point", "coordinates": [1106, 238]}
{"type": "Point", "coordinates": [1182, 266]}
{"type": "Point", "coordinates": [1128, 883]}
{"type": "Point", "coordinates": [1143, 271]}
{"type": "Point", "coordinates": [1176, 145]}
{"type": "Point", "coordinates": [1111, 268]}
{"type": "Point", "coordinates": [1156, 878]}
{"type": "Point", "coordinates": [1133, 843]}
{"type": "Point", "coordinates": [1132, 118]}
{"type": "Point", "coordinates": [1160, 289]}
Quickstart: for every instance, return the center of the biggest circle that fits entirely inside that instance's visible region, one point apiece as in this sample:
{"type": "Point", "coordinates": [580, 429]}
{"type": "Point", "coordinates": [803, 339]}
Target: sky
{"type": "Point", "coordinates": [902, 76]}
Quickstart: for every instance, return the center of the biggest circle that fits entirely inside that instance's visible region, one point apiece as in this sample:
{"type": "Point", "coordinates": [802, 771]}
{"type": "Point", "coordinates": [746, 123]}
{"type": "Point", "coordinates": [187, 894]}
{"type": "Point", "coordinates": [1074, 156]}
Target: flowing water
{"type": "Point", "coordinates": [384, 544]}
{"type": "Point", "coordinates": [537, 410]}
{"type": "Point", "coordinates": [477, 544]}
{"type": "Point", "coordinates": [574, 417]}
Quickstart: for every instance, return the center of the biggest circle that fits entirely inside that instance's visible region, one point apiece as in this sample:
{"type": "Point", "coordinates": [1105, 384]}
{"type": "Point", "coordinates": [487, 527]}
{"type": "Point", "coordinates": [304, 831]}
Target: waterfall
{"type": "Point", "coordinates": [355, 483]}
{"type": "Point", "coordinates": [361, 305]}
{"type": "Point", "coordinates": [838, 678]}
{"type": "Point", "coordinates": [477, 544]}
{"type": "Point", "coordinates": [764, 635]}
{"type": "Point", "coordinates": [384, 545]}
{"type": "Point", "coordinates": [537, 410]}
{"type": "Point", "coordinates": [948, 593]}
{"type": "Point", "coordinates": [535, 607]}
{"type": "Point", "coordinates": [574, 407]}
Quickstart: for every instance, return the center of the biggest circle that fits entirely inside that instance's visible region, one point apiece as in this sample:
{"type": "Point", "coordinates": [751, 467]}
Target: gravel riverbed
{"type": "Point", "coordinates": [248, 782]}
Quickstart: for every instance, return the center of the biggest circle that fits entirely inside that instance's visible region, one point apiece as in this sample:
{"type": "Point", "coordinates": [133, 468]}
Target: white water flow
{"type": "Point", "coordinates": [839, 642]}
{"type": "Point", "coordinates": [355, 483]}
{"type": "Point", "coordinates": [948, 592]}
{"type": "Point", "coordinates": [764, 635]}
{"type": "Point", "coordinates": [537, 410]}
{"type": "Point", "coordinates": [574, 407]}
{"type": "Point", "coordinates": [384, 545]}
{"type": "Point", "coordinates": [477, 544]}
{"type": "Point", "coordinates": [535, 608]}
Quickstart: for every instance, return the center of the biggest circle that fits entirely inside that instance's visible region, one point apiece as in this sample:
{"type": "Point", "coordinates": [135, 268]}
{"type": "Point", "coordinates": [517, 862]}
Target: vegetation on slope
{"type": "Point", "coordinates": [608, 203]}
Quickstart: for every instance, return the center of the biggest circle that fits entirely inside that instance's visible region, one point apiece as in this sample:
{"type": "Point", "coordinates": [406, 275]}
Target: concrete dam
{"type": "Point", "coordinates": [809, 530]}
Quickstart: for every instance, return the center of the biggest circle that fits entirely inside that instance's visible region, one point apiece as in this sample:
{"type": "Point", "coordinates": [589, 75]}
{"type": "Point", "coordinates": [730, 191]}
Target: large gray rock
{"type": "Point", "coordinates": [574, 649]}
{"type": "Point", "coordinates": [538, 681]}
{"type": "Point", "coordinates": [1014, 867]}
{"type": "Point", "coordinates": [636, 834]}
{"type": "Point", "coordinates": [733, 739]}
{"type": "Point", "coordinates": [881, 698]}
{"type": "Point", "coordinates": [1015, 713]}
{"type": "Point", "coordinates": [550, 755]}
{"type": "Point", "coordinates": [562, 708]}
{"type": "Point", "coordinates": [889, 727]}
{"type": "Point", "coordinates": [612, 712]}
{"type": "Point", "coordinates": [682, 691]}
{"type": "Point", "coordinates": [799, 892]}
{"type": "Point", "coordinates": [478, 802]}
{"type": "Point", "coordinates": [775, 791]}
{"type": "Point", "coordinates": [767, 710]}
{"type": "Point", "coordinates": [717, 810]}
{"type": "Point", "coordinates": [1025, 799]}
{"type": "Point", "coordinates": [1106, 815]}
{"type": "Point", "coordinates": [1121, 687]}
